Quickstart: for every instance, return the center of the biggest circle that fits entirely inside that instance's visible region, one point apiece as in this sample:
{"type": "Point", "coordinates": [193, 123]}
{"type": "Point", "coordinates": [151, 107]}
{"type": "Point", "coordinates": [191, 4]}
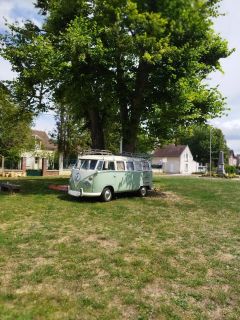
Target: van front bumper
{"type": "Point", "coordinates": [74, 193]}
{"type": "Point", "coordinates": [81, 193]}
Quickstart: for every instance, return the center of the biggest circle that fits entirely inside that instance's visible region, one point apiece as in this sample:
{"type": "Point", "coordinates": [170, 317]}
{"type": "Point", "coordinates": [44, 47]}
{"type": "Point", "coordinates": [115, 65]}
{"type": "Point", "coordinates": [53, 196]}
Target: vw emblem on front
{"type": "Point", "coordinates": [78, 176]}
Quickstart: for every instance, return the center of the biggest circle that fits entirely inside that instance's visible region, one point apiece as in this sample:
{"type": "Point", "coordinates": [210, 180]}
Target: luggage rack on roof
{"type": "Point", "coordinates": [95, 152]}
{"type": "Point", "coordinates": [135, 155]}
{"type": "Point", "coordinates": [107, 152]}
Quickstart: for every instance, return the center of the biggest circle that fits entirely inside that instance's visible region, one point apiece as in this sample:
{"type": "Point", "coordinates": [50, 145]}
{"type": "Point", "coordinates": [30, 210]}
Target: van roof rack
{"type": "Point", "coordinates": [95, 152]}
{"type": "Point", "coordinates": [107, 152]}
{"type": "Point", "coordinates": [135, 155]}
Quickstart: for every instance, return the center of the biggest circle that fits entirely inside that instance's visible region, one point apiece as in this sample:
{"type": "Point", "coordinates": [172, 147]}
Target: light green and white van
{"type": "Point", "coordinates": [105, 174]}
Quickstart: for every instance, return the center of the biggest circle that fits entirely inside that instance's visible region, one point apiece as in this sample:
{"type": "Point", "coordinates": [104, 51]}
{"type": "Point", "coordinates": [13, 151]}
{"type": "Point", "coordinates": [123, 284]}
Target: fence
{"type": "Point", "coordinates": [19, 168]}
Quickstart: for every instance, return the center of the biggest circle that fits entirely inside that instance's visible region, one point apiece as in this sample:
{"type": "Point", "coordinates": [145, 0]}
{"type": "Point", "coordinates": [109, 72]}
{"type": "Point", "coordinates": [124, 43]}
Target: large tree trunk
{"type": "Point", "coordinates": [96, 129]}
{"type": "Point", "coordinates": [131, 113]}
{"type": "Point", "coordinates": [130, 138]}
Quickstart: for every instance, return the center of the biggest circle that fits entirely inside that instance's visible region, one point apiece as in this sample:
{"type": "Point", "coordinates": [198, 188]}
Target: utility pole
{"type": "Point", "coordinates": [210, 153]}
{"type": "Point", "coordinates": [121, 145]}
{"type": "Point", "coordinates": [2, 160]}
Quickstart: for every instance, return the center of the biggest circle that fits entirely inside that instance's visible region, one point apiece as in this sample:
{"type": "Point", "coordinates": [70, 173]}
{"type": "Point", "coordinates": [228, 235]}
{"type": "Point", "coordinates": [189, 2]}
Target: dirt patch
{"type": "Point", "coordinates": [4, 226]}
{"type": "Point", "coordinates": [127, 311]}
{"type": "Point", "coordinates": [65, 239]}
{"type": "Point", "coordinates": [102, 241]}
{"type": "Point", "coordinates": [156, 194]}
{"type": "Point", "coordinates": [216, 314]}
{"type": "Point", "coordinates": [225, 257]}
{"type": "Point", "coordinates": [56, 289]}
{"type": "Point", "coordinates": [154, 289]}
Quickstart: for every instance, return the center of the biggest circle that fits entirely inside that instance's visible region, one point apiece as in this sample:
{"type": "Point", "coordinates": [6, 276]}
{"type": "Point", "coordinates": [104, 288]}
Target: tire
{"type": "Point", "coordinates": [107, 194]}
{"type": "Point", "coordinates": [142, 192]}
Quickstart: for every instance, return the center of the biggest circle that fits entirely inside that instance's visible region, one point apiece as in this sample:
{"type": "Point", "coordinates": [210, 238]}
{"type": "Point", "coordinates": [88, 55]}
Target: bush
{"type": "Point", "coordinates": [230, 169]}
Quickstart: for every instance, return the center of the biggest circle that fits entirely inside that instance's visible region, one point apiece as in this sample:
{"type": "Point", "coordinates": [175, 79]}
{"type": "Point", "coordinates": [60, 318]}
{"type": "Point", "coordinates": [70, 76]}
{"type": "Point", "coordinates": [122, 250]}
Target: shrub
{"type": "Point", "coordinates": [230, 169]}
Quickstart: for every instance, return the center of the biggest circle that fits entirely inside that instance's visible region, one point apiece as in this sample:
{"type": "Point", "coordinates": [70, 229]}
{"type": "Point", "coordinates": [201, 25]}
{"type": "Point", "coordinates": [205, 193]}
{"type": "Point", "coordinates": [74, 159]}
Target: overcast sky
{"type": "Point", "coordinates": [229, 81]}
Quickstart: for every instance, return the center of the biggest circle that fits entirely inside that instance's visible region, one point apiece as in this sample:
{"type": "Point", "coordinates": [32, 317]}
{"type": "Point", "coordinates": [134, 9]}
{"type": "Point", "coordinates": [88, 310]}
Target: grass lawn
{"type": "Point", "coordinates": [173, 257]}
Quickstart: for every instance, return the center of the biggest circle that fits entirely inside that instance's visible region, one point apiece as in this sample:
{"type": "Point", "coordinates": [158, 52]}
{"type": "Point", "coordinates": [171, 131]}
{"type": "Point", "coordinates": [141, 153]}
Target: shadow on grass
{"type": "Point", "coordinates": [39, 186]}
{"type": "Point", "coordinates": [35, 185]}
{"type": "Point", "coordinates": [125, 195]}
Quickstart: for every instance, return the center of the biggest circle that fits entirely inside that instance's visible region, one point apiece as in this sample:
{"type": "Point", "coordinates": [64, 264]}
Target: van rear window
{"type": "Point", "coordinates": [146, 166]}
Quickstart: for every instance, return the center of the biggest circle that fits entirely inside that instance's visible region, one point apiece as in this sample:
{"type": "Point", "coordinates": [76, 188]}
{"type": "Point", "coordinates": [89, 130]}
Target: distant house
{"type": "Point", "coordinates": [174, 159]}
{"type": "Point", "coordinates": [44, 148]}
{"type": "Point", "coordinates": [238, 160]}
{"type": "Point", "coordinates": [232, 159]}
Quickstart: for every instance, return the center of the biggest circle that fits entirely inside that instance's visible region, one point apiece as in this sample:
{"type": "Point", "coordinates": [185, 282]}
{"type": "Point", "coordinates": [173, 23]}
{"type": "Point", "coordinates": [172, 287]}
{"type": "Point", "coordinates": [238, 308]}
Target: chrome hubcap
{"type": "Point", "coordinates": [108, 194]}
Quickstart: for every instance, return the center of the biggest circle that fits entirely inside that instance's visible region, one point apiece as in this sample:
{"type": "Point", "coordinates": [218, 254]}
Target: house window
{"type": "Point", "coordinates": [186, 167]}
{"type": "Point", "coordinates": [38, 144]}
{"type": "Point", "coordinates": [36, 160]}
{"type": "Point", "coordinates": [186, 157]}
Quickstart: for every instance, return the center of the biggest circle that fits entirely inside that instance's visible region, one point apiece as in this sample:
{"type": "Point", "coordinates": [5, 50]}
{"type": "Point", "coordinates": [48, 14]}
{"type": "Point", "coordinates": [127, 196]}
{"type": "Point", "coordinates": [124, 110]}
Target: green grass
{"type": "Point", "coordinates": [173, 257]}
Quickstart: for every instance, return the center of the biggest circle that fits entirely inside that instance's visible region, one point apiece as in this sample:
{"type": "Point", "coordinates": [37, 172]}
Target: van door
{"type": "Point", "coordinates": [121, 177]}
{"type": "Point", "coordinates": [129, 179]}
{"type": "Point", "coordinates": [109, 174]}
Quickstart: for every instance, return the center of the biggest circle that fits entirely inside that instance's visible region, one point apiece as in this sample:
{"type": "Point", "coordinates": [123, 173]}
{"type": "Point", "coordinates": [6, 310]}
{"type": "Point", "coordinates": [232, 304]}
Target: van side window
{"type": "Point", "coordinates": [109, 165]}
{"type": "Point", "coordinates": [137, 166]}
{"type": "Point", "coordinates": [85, 164]}
{"type": "Point", "coordinates": [120, 166]}
{"type": "Point", "coordinates": [100, 165]}
{"type": "Point", "coordinates": [146, 166]}
{"type": "Point", "coordinates": [130, 166]}
{"type": "Point", "coordinates": [92, 164]}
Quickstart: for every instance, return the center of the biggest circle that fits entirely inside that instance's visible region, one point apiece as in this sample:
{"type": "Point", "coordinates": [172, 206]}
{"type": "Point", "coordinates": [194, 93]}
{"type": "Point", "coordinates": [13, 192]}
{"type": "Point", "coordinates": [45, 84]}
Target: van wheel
{"type": "Point", "coordinates": [142, 192]}
{"type": "Point", "coordinates": [107, 194]}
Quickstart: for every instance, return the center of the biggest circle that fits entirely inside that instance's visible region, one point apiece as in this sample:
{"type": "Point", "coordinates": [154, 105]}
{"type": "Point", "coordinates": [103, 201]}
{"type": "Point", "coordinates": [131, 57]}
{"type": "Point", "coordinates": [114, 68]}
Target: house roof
{"type": "Point", "coordinates": [43, 137]}
{"type": "Point", "coordinates": [231, 154]}
{"type": "Point", "coordinates": [169, 151]}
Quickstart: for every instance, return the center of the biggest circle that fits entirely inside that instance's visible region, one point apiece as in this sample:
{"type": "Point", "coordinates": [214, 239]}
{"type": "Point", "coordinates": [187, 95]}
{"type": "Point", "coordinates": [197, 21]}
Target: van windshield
{"type": "Point", "coordinates": [87, 164]}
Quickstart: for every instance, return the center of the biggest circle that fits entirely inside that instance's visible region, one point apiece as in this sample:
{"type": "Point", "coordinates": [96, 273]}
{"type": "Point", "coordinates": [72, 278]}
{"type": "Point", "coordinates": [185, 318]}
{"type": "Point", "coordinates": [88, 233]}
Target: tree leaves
{"type": "Point", "coordinates": [131, 62]}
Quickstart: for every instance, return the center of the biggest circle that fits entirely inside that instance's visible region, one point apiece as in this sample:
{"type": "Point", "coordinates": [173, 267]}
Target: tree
{"type": "Point", "coordinates": [15, 131]}
{"type": "Point", "coordinates": [198, 140]}
{"type": "Point", "coordinates": [71, 136]}
{"type": "Point", "coordinates": [137, 63]}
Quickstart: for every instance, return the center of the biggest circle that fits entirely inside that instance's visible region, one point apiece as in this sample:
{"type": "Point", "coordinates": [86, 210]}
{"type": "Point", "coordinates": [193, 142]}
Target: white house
{"type": "Point", "coordinates": [44, 148]}
{"type": "Point", "coordinates": [174, 159]}
{"type": "Point", "coordinates": [232, 159]}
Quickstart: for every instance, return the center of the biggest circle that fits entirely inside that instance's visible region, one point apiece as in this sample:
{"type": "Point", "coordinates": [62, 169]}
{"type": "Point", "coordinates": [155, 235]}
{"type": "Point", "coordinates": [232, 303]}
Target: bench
{"type": "Point", "coordinates": [9, 187]}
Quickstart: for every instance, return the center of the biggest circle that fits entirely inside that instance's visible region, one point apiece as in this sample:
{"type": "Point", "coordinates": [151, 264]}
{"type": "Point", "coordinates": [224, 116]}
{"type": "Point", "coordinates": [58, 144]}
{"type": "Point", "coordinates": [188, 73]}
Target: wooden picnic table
{"type": "Point", "coordinates": [9, 187]}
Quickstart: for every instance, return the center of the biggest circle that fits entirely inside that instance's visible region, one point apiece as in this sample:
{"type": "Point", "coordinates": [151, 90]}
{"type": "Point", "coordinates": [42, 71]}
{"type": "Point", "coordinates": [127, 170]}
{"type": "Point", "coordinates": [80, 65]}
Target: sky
{"type": "Point", "coordinates": [228, 81]}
